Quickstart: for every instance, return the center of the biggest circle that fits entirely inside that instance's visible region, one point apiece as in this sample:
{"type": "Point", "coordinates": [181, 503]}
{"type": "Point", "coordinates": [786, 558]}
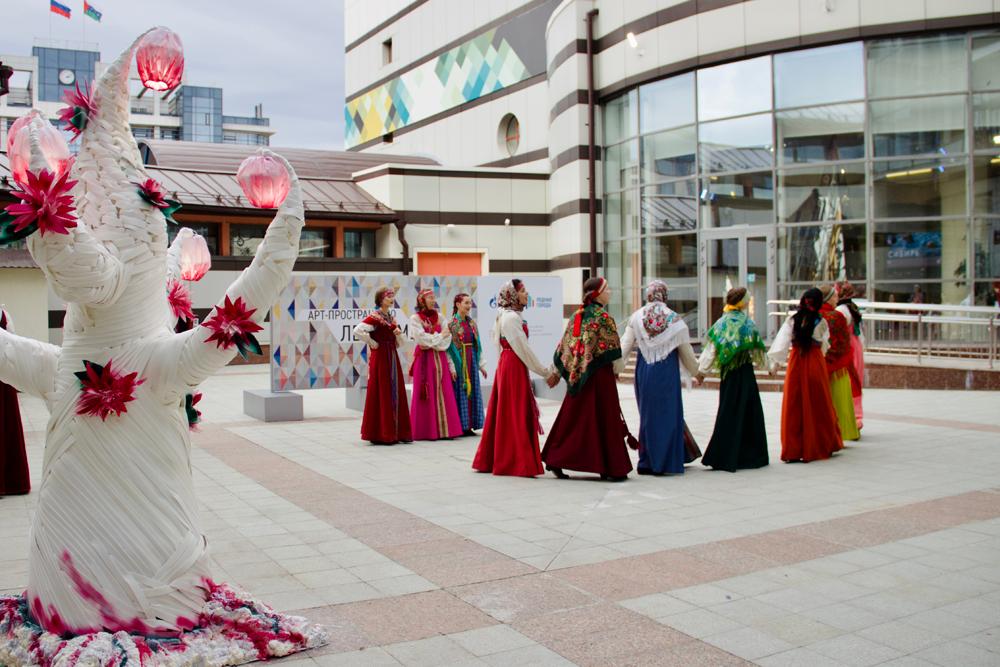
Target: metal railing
{"type": "Point", "coordinates": [924, 330]}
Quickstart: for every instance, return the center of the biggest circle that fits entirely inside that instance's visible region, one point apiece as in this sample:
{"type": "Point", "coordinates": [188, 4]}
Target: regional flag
{"type": "Point", "coordinates": [56, 8]}
{"type": "Point", "coordinates": [91, 11]}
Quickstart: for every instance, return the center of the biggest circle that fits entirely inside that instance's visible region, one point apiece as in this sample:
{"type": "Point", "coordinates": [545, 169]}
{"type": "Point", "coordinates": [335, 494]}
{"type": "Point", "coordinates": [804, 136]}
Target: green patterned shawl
{"type": "Point", "coordinates": [736, 341]}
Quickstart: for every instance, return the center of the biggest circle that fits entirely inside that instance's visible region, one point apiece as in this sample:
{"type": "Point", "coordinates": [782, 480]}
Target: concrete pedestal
{"type": "Point", "coordinates": [272, 406]}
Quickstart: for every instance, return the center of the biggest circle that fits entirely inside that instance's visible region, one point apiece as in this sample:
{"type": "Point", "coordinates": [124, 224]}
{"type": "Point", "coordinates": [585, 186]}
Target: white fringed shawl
{"type": "Point", "coordinates": [657, 348]}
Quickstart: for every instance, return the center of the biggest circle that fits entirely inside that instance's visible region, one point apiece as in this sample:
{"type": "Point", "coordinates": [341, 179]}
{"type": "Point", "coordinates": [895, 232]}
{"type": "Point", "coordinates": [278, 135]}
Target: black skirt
{"type": "Point", "coordinates": [739, 439]}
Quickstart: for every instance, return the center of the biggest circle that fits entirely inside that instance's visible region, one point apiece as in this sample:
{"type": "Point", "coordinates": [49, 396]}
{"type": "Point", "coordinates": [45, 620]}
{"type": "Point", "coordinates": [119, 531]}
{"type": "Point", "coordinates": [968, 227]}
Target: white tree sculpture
{"type": "Point", "coordinates": [118, 564]}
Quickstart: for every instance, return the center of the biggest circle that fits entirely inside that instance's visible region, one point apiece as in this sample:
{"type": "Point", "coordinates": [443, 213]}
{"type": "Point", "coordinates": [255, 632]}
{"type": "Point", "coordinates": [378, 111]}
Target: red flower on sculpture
{"type": "Point", "coordinates": [180, 301]}
{"type": "Point", "coordinates": [231, 324]}
{"type": "Point", "coordinates": [79, 110]}
{"type": "Point", "coordinates": [152, 193]}
{"type": "Point", "coordinates": [104, 390]}
{"type": "Point", "coordinates": [45, 205]}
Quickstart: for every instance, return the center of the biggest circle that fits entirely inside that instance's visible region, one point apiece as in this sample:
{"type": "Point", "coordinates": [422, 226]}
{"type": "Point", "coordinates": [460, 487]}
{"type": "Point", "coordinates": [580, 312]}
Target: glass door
{"type": "Point", "coordinates": [734, 258]}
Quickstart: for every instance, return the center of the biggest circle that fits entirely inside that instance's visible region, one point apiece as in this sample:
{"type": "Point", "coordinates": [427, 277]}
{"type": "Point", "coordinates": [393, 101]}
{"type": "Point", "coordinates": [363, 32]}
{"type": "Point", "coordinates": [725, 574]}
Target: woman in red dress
{"type": "Point", "coordinates": [809, 429]}
{"type": "Point", "coordinates": [509, 445]}
{"type": "Point", "coordinates": [14, 479]}
{"type": "Point", "coordinates": [386, 419]}
{"type": "Point", "coordinates": [588, 434]}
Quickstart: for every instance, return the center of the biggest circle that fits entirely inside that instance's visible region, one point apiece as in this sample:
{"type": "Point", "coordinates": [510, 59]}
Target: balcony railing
{"type": "Point", "coordinates": [924, 330]}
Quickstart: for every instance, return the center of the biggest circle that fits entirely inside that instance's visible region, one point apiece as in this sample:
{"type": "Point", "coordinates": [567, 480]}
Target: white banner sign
{"type": "Point", "coordinates": [544, 315]}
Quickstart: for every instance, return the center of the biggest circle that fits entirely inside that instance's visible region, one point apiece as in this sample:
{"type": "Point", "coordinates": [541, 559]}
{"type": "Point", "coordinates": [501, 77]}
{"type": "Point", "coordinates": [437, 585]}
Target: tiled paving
{"type": "Point", "coordinates": [887, 554]}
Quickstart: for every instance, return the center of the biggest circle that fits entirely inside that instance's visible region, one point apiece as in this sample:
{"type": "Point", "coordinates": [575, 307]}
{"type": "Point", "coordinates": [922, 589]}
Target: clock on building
{"type": "Point", "coordinates": [67, 77]}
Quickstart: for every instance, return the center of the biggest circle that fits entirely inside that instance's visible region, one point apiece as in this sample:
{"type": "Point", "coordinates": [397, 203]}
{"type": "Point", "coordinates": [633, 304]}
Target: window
{"type": "Point", "coordinates": [821, 134]}
{"type": "Point", "coordinates": [912, 127]}
{"type": "Point", "coordinates": [918, 188]}
{"type": "Point", "coordinates": [667, 103]}
{"type": "Point", "coordinates": [816, 194]}
{"type": "Point", "coordinates": [670, 206]}
{"type": "Point", "coordinates": [620, 120]}
{"type": "Point", "coordinates": [741, 199]}
{"type": "Point", "coordinates": [621, 166]}
{"type": "Point", "coordinates": [359, 243]}
{"type": "Point", "coordinates": [819, 76]}
{"type": "Point", "coordinates": [917, 66]}
{"type": "Point", "coordinates": [740, 144]}
{"type": "Point", "coordinates": [669, 154]}
{"type": "Point", "coordinates": [387, 52]}
{"type": "Point", "coordinates": [734, 89]}
{"type": "Point", "coordinates": [315, 243]}
{"type": "Point", "coordinates": [821, 253]}
{"type": "Point", "coordinates": [509, 134]}
{"type": "Point", "coordinates": [244, 239]}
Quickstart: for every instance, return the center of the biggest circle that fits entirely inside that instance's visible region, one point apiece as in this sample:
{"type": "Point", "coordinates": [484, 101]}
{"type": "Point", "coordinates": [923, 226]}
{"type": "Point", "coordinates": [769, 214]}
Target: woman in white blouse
{"type": "Point", "coordinates": [433, 412]}
{"type": "Point", "coordinates": [509, 445]}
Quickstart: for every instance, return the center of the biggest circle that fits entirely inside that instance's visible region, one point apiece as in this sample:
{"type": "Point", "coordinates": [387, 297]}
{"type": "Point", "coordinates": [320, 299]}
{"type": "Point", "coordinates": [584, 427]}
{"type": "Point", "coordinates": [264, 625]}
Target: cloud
{"type": "Point", "coordinates": [287, 55]}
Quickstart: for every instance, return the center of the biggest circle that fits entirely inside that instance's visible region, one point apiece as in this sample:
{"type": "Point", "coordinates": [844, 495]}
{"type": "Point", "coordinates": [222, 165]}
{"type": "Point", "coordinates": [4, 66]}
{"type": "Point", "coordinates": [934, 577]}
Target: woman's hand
{"type": "Point", "coordinates": [373, 345]}
{"type": "Point", "coordinates": [483, 371]}
{"type": "Point", "coordinates": [454, 375]}
{"type": "Point", "coordinates": [552, 380]}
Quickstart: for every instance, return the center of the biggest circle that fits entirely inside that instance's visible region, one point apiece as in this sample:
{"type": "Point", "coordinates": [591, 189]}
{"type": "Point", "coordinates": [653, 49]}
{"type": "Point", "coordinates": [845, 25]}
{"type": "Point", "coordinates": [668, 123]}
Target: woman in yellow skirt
{"type": "Point", "coordinates": [839, 364]}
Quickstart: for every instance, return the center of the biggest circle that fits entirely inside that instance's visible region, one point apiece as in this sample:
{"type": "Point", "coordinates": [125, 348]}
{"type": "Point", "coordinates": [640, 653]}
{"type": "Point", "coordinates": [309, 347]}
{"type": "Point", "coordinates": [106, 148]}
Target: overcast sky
{"type": "Point", "coordinates": [288, 54]}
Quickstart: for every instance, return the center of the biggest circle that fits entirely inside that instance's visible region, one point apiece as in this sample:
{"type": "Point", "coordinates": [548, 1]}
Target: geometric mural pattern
{"type": "Point", "coordinates": [482, 65]}
{"type": "Point", "coordinates": [322, 354]}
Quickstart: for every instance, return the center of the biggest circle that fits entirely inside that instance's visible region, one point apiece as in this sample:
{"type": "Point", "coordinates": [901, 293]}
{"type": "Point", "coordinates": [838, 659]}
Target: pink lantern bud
{"type": "Point", "coordinates": [264, 180]}
{"type": "Point", "coordinates": [195, 258]}
{"type": "Point", "coordinates": [55, 150]}
{"type": "Point", "coordinates": [160, 60]}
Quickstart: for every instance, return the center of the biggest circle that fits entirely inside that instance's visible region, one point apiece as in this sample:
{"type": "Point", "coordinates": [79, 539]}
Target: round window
{"type": "Point", "coordinates": [509, 134]}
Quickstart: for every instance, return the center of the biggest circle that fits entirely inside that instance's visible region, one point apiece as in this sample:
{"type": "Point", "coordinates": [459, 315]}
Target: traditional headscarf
{"type": "Point", "coordinates": [507, 297]}
{"type": "Point", "coordinates": [588, 298]}
{"type": "Point", "coordinates": [656, 291]}
{"type": "Point", "coordinates": [847, 293]}
{"type": "Point", "coordinates": [592, 295]}
{"type": "Point", "coordinates": [381, 293]}
{"type": "Point", "coordinates": [735, 336]}
{"type": "Point", "coordinates": [422, 309]}
{"type": "Point", "coordinates": [655, 318]}
{"type": "Point", "coordinates": [829, 293]}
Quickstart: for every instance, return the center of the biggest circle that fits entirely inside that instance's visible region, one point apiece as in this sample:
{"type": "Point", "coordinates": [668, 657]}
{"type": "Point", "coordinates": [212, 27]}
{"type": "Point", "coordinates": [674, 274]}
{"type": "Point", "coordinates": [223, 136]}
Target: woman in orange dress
{"type": "Point", "coordinates": [809, 429]}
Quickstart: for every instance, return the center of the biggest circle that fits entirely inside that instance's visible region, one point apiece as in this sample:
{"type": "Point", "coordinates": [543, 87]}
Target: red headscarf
{"type": "Point", "coordinates": [422, 309]}
{"type": "Point", "coordinates": [588, 299]}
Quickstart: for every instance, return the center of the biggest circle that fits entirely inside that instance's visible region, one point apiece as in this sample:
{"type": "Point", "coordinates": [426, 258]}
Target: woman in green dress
{"type": "Point", "coordinates": [733, 347]}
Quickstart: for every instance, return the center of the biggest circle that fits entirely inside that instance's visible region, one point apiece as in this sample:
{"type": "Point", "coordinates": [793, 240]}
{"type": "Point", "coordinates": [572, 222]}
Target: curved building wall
{"type": "Point", "coordinates": [734, 149]}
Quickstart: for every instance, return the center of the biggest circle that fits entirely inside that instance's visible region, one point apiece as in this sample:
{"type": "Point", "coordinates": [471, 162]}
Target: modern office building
{"type": "Point", "coordinates": [188, 113]}
{"type": "Point", "coordinates": [771, 143]}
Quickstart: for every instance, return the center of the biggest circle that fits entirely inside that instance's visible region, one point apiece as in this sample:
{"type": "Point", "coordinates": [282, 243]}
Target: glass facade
{"type": "Point", "coordinates": [874, 161]}
{"type": "Point", "coordinates": [59, 70]}
{"type": "Point", "coordinates": [201, 113]}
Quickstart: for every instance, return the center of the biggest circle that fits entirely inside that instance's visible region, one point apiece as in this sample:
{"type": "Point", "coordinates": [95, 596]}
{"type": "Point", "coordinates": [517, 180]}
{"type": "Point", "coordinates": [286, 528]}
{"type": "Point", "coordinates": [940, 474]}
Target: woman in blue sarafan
{"type": "Point", "coordinates": [466, 354]}
{"type": "Point", "coordinates": [663, 344]}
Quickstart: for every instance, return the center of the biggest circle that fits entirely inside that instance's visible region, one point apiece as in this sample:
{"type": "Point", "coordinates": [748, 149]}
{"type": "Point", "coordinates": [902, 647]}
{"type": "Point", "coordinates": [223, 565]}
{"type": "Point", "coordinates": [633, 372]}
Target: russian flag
{"type": "Point", "coordinates": [61, 10]}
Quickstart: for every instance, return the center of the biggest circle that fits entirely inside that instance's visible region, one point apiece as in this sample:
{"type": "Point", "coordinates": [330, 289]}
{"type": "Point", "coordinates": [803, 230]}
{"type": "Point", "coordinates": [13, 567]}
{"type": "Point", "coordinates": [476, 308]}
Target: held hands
{"type": "Point", "coordinates": [552, 380]}
{"type": "Point", "coordinates": [699, 379]}
{"type": "Point", "coordinates": [373, 345]}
